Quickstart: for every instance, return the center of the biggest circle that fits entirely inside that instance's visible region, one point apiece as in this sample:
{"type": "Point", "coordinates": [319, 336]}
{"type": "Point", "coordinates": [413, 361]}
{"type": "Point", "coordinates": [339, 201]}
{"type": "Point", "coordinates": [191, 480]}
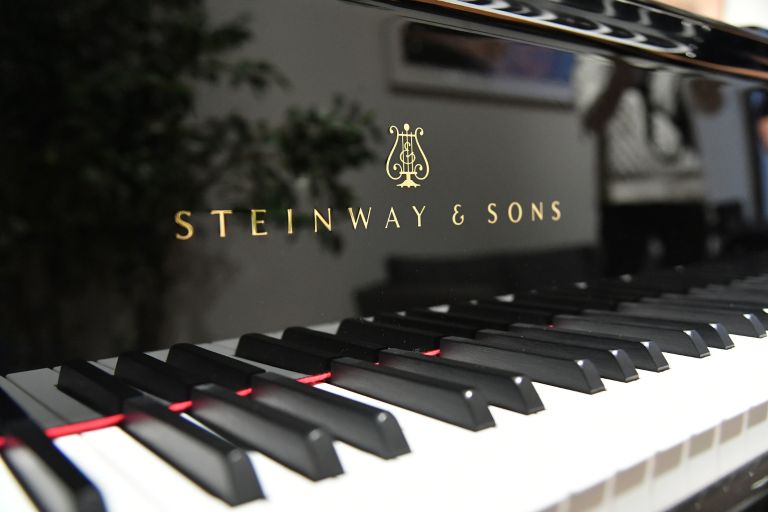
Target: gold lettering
{"type": "Point", "coordinates": [492, 210]}
{"type": "Point", "coordinates": [512, 218]}
{"type": "Point", "coordinates": [419, 213]}
{"type": "Point", "coordinates": [325, 222]}
{"type": "Point", "coordinates": [222, 221]}
{"type": "Point", "coordinates": [255, 222]}
{"type": "Point", "coordinates": [289, 213]}
{"type": "Point", "coordinates": [392, 217]}
{"type": "Point", "coordinates": [359, 217]}
{"type": "Point", "coordinates": [537, 211]}
{"type": "Point", "coordinates": [184, 224]}
{"type": "Point", "coordinates": [457, 218]}
{"type": "Point", "coordinates": [555, 210]}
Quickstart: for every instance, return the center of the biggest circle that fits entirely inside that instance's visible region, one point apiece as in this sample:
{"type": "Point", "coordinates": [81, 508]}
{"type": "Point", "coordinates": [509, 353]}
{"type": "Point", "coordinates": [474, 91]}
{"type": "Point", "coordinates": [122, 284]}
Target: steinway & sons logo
{"type": "Point", "coordinates": [406, 162]}
{"type": "Point", "coordinates": [411, 164]}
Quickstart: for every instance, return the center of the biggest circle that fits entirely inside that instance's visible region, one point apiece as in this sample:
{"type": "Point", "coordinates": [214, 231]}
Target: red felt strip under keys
{"type": "Point", "coordinates": [84, 426]}
{"type": "Point", "coordinates": [115, 419]}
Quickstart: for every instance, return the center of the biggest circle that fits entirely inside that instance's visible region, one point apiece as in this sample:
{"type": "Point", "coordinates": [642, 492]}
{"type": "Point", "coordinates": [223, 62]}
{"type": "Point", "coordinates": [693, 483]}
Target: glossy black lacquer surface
{"type": "Point", "coordinates": [168, 166]}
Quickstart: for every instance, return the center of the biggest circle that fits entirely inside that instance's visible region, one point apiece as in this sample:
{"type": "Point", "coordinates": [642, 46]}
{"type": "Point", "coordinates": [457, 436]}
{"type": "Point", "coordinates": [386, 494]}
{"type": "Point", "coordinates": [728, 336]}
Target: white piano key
{"type": "Point", "coordinates": [119, 493]}
{"type": "Point", "coordinates": [159, 354]}
{"type": "Point", "coordinates": [464, 467]}
{"type": "Point", "coordinates": [12, 494]}
{"type": "Point", "coordinates": [43, 416]}
{"type": "Point", "coordinates": [593, 448]}
{"type": "Point", "coordinates": [684, 402]}
{"type": "Point", "coordinates": [639, 428]}
{"type": "Point", "coordinates": [109, 362]}
{"type": "Point", "coordinates": [624, 434]}
{"type": "Point", "coordinates": [41, 384]}
{"type": "Point", "coordinates": [714, 386]}
{"type": "Point", "coordinates": [156, 478]}
{"type": "Point", "coordinates": [683, 409]}
{"type": "Point", "coordinates": [757, 428]}
{"type": "Point", "coordinates": [284, 489]}
{"type": "Point", "coordinates": [746, 390]}
{"type": "Point", "coordinates": [642, 445]}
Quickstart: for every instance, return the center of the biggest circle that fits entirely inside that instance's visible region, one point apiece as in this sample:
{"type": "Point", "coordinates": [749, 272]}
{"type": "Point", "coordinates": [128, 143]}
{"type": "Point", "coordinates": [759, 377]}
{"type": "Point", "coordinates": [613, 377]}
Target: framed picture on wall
{"type": "Point", "coordinates": [434, 59]}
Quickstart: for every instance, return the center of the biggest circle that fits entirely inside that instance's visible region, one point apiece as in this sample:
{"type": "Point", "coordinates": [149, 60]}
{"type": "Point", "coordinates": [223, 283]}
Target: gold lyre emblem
{"type": "Point", "coordinates": [411, 162]}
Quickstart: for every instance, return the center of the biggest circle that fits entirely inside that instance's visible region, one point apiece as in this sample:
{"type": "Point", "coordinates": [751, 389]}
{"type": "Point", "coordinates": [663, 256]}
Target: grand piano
{"type": "Point", "coordinates": [382, 255]}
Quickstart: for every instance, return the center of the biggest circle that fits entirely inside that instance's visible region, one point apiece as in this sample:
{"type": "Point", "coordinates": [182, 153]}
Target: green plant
{"type": "Point", "coordinates": [101, 143]}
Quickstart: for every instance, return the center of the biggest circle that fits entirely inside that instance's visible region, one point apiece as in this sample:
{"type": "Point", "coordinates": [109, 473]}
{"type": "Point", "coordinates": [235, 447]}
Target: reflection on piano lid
{"type": "Point", "coordinates": [485, 254]}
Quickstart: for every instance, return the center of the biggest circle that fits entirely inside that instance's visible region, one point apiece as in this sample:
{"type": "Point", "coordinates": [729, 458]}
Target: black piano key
{"type": "Point", "coordinates": [755, 307]}
{"type": "Point", "coordinates": [211, 366]}
{"type": "Point", "coordinates": [407, 338]}
{"type": "Point", "coordinates": [685, 343]}
{"type": "Point", "coordinates": [714, 334]}
{"type": "Point", "coordinates": [758, 312]}
{"type": "Point", "coordinates": [617, 289]}
{"type": "Point", "coordinates": [645, 354]}
{"type": "Point", "coordinates": [660, 285]}
{"type": "Point", "coordinates": [745, 325]}
{"type": "Point", "coordinates": [291, 441]}
{"type": "Point", "coordinates": [265, 349]}
{"type": "Point", "coordinates": [702, 276]}
{"type": "Point", "coordinates": [573, 291]}
{"type": "Point", "coordinates": [757, 289]}
{"type": "Point", "coordinates": [669, 280]}
{"type": "Point", "coordinates": [553, 298]}
{"type": "Point", "coordinates": [94, 387]}
{"type": "Point", "coordinates": [508, 314]}
{"type": "Point", "coordinates": [754, 279]}
{"type": "Point", "coordinates": [368, 428]}
{"type": "Point", "coordinates": [611, 363]}
{"type": "Point", "coordinates": [216, 465]}
{"type": "Point", "coordinates": [444, 327]}
{"type": "Point", "coordinates": [526, 306]}
{"type": "Point", "coordinates": [380, 433]}
{"type": "Point", "coordinates": [48, 477]}
{"type": "Point", "coordinates": [732, 294]}
{"type": "Point", "coordinates": [478, 322]}
{"type": "Point", "coordinates": [504, 389]}
{"type": "Point", "coordinates": [758, 282]}
{"type": "Point", "coordinates": [357, 348]}
{"type": "Point", "coordinates": [156, 377]}
{"type": "Point", "coordinates": [453, 403]}
{"type": "Point", "coordinates": [574, 374]}
{"type": "Point", "coordinates": [717, 273]}
{"type": "Point", "coordinates": [227, 349]}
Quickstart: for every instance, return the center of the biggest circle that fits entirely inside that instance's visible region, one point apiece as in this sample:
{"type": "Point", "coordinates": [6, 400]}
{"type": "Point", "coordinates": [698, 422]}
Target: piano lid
{"type": "Point", "coordinates": [211, 169]}
{"type": "Point", "coordinates": [652, 29]}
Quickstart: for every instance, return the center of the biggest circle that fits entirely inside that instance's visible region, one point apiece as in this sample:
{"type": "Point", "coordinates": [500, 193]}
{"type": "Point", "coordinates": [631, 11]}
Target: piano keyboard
{"type": "Point", "coordinates": [624, 394]}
